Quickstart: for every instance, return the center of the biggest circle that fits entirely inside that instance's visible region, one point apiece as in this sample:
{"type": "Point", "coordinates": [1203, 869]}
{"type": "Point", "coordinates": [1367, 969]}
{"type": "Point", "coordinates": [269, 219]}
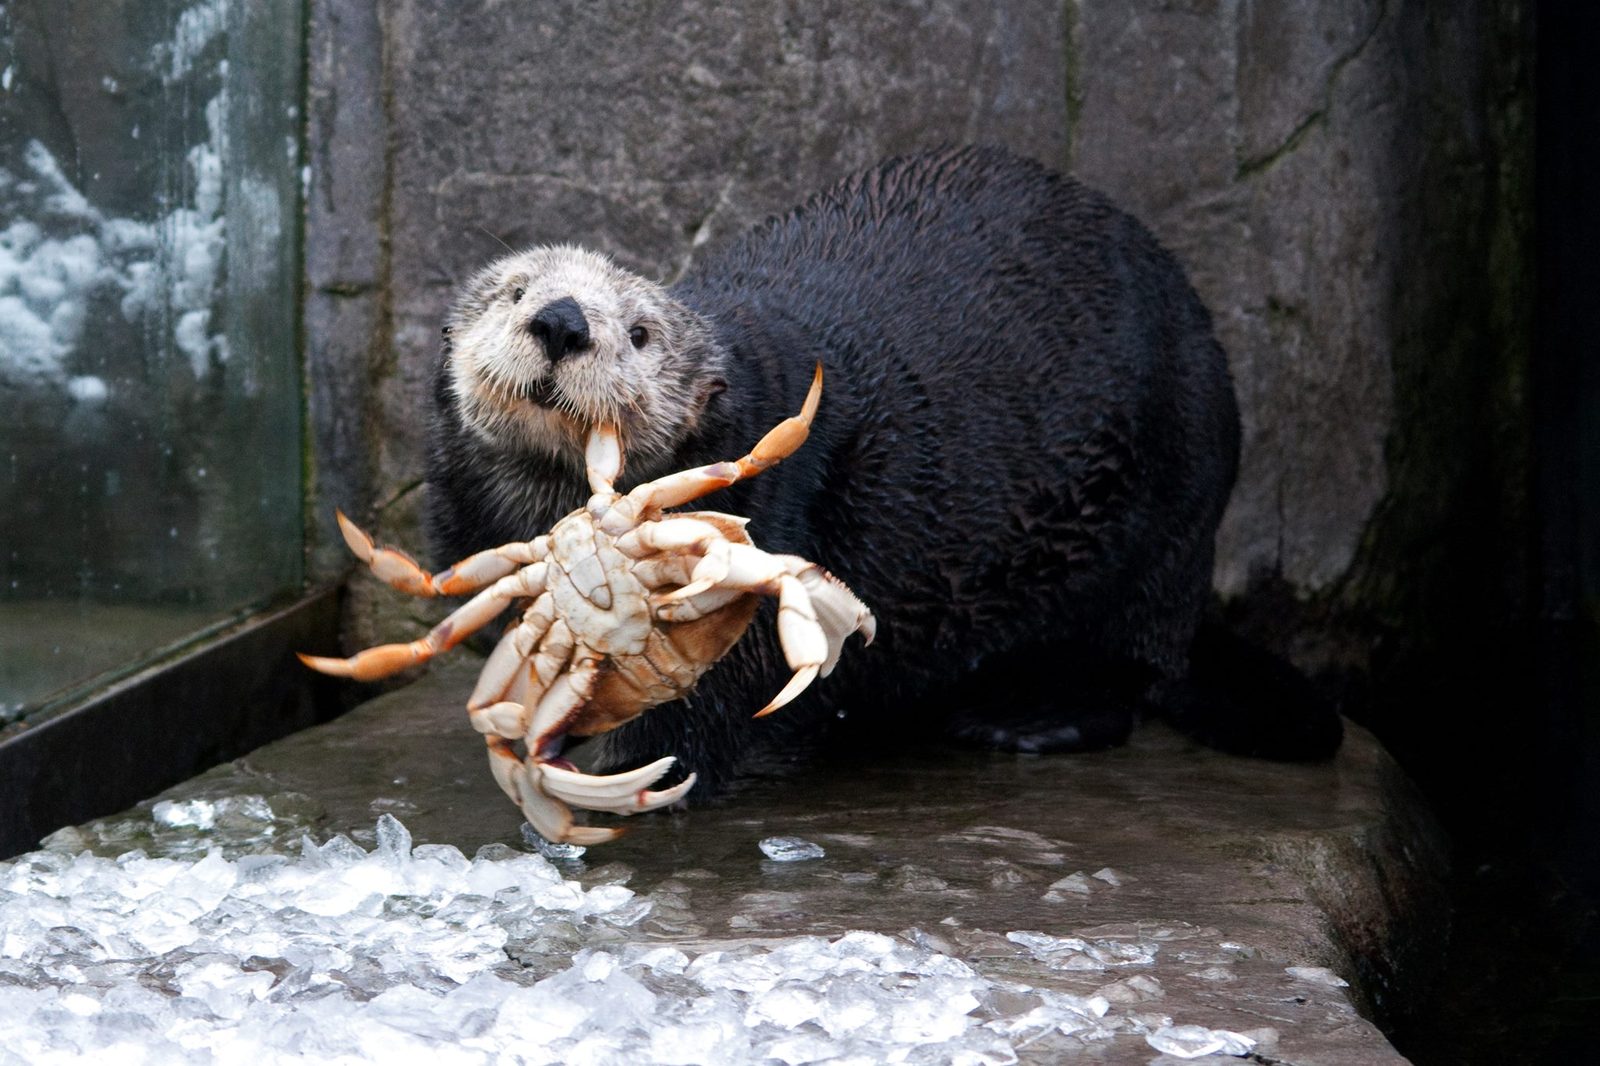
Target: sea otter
{"type": "Point", "coordinates": [1025, 445]}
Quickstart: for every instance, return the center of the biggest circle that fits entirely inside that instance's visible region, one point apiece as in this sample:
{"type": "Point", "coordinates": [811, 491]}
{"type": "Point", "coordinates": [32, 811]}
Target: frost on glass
{"type": "Point", "coordinates": [149, 435]}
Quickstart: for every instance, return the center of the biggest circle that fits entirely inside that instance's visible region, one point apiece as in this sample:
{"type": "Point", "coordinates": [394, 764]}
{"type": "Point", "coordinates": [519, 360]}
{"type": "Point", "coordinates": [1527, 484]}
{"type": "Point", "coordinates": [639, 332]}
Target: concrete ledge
{"type": "Point", "coordinates": [207, 701]}
{"type": "Point", "coordinates": [1263, 886]}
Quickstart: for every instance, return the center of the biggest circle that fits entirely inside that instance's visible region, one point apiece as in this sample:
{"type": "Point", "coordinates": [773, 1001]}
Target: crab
{"type": "Point", "coordinates": [630, 606]}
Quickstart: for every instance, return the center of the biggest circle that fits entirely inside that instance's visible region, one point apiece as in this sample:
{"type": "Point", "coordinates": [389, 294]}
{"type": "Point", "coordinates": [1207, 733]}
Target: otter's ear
{"type": "Point", "coordinates": [706, 396]}
{"type": "Point", "coordinates": [715, 387]}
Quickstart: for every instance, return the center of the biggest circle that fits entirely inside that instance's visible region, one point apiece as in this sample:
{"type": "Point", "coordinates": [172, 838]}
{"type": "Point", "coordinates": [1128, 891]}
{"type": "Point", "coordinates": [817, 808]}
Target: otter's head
{"type": "Point", "coordinates": [547, 343]}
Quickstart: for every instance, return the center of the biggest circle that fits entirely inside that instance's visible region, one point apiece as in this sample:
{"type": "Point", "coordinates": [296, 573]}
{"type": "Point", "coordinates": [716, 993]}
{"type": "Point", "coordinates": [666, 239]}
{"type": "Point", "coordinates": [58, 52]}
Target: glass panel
{"type": "Point", "coordinates": [149, 407]}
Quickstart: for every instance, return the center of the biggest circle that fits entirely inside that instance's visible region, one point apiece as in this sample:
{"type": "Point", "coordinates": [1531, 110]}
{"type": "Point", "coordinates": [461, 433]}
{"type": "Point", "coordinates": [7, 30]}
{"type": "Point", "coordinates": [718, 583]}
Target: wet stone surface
{"type": "Point", "coordinates": [363, 889]}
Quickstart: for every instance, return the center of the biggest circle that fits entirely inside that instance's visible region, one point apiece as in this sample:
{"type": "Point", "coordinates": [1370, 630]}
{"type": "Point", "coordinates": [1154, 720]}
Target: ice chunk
{"type": "Point", "coordinates": [394, 840]}
{"type": "Point", "coordinates": [1193, 1041]}
{"type": "Point", "coordinates": [550, 849]}
{"type": "Point", "coordinates": [1139, 988]}
{"type": "Point", "coordinates": [1073, 885]}
{"type": "Point", "coordinates": [1110, 876]}
{"type": "Point", "coordinates": [199, 814]}
{"type": "Point", "coordinates": [1317, 975]}
{"type": "Point", "coordinates": [786, 1006]}
{"type": "Point", "coordinates": [1077, 953]}
{"type": "Point", "coordinates": [249, 813]}
{"type": "Point", "coordinates": [790, 849]}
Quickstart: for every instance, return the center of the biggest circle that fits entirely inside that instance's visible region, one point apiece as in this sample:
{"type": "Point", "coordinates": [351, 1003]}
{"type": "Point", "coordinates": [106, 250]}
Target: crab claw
{"type": "Point", "coordinates": [797, 684]}
{"type": "Point", "coordinates": [624, 793]}
{"type": "Point", "coordinates": [805, 642]}
{"type": "Point", "coordinates": [552, 818]}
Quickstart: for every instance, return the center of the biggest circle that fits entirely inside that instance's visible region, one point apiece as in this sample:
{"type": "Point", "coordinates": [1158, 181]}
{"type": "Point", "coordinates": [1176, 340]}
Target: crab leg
{"type": "Point", "coordinates": [551, 691]}
{"type": "Point", "coordinates": [566, 696]}
{"type": "Point", "coordinates": [465, 620]}
{"type": "Point", "coordinates": [602, 459]}
{"type": "Point", "coordinates": [668, 535]}
{"type": "Point", "coordinates": [655, 496]}
{"type": "Point", "coordinates": [689, 608]}
{"type": "Point", "coordinates": [401, 571]}
{"type": "Point", "coordinates": [486, 567]}
{"type": "Point", "coordinates": [548, 815]}
{"type": "Point", "coordinates": [836, 609]}
{"type": "Point", "coordinates": [784, 439]}
{"type": "Point", "coordinates": [507, 669]}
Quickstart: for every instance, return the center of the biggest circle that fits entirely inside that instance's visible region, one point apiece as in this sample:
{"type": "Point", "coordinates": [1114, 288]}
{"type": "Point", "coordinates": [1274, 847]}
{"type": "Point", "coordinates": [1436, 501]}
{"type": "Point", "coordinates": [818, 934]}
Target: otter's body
{"type": "Point", "coordinates": [1026, 441]}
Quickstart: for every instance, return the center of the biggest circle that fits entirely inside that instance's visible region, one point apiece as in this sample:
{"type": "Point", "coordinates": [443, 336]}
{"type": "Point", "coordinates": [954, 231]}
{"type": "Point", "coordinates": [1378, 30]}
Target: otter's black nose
{"type": "Point", "coordinates": [561, 328]}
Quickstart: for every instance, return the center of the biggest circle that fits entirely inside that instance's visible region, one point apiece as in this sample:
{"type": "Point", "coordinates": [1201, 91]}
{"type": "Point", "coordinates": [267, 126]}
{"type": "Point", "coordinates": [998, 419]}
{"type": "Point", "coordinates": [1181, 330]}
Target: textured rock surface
{"type": "Point", "coordinates": [1253, 879]}
{"type": "Point", "coordinates": [1289, 153]}
{"type": "Point", "coordinates": [1345, 181]}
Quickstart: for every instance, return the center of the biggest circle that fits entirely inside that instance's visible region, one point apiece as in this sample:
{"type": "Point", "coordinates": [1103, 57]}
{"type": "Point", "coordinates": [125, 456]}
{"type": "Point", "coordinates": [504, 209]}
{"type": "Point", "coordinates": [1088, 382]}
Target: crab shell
{"type": "Point", "coordinates": [675, 655]}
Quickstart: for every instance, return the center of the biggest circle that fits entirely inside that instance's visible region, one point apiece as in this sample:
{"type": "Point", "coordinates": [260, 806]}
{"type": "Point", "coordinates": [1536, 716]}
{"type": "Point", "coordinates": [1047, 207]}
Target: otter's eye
{"type": "Point", "coordinates": [639, 336]}
{"type": "Point", "coordinates": [445, 332]}
{"type": "Point", "coordinates": [517, 294]}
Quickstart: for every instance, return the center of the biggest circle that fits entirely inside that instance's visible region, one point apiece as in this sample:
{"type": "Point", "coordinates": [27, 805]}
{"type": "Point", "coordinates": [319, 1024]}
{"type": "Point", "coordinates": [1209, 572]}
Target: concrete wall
{"type": "Point", "coordinates": [1347, 181]}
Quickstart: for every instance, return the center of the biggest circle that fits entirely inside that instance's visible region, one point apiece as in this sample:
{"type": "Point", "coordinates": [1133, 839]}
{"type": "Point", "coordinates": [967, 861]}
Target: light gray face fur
{"type": "Point", "coordinates": [512, 396]}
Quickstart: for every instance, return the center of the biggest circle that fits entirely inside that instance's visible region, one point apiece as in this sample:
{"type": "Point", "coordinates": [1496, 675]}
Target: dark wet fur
{"type": "Point", "coordinates": [1026, 439]}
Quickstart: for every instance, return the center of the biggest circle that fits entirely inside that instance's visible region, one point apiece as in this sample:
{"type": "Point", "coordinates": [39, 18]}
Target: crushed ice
{"type": "Point", "coordinates": [334, 952]}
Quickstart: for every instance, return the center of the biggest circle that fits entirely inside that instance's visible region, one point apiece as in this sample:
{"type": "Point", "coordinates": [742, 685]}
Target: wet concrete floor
{"type": "Point", "coordinates": [1266, 887]}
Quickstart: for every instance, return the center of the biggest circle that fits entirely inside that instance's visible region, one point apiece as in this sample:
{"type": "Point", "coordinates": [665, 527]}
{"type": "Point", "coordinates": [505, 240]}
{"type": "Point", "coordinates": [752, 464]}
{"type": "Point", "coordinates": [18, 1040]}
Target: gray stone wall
{"type": "Point", "coordinates": [1345, 179]}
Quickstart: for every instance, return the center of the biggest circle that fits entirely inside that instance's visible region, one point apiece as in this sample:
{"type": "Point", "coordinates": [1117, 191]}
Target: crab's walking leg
{"type": "Point", "coordinates": [465, 620]}
{"type": "Point", "coordinates": [509, 682]}
{"type": "Point", "coordinates": [675, 489]}
{"type": "Point", "coordinates": [557, 691]}
{"type": "Point", "coordinates": [396, 568]}
{"type": "Point", "coordinates": [784, 439]}
{"type": "Point", "coordinates": [671, 534]}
